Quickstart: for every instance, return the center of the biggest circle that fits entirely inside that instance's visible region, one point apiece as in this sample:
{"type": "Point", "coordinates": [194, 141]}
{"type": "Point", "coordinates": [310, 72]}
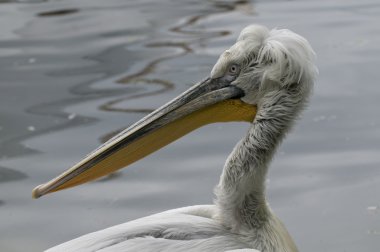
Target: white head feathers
{"type": "Point", "coordinates": [268, 57]}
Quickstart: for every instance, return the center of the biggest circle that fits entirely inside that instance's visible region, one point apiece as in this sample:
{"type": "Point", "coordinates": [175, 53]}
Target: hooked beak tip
{"type": "Point", "coordinates": [36, 193]}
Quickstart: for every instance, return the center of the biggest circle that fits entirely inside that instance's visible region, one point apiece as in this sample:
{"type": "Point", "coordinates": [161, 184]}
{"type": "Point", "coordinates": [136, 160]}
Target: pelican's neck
{"type": "Point", "coordinates": [241, 190]}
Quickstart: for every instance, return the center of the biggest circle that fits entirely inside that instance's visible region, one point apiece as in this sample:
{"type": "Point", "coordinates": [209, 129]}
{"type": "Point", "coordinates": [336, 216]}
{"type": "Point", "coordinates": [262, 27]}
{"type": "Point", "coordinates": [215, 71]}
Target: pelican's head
{"type": "Point", "coordinates": [263, 61]}
{"type": "Point", "coordinates": [260, 63]}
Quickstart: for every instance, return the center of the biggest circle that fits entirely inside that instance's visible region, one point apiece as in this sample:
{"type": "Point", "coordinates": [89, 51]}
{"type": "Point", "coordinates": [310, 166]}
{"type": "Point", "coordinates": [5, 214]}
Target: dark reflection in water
{"type": "Point", "coordinates": [163, 85]}
{"type": "Point", "coordinates": [8, 175]}
{"type": "Point", "coordinates": [23, 1]}
{"type": "Point", "coordinates": [57, 12]}
{"type": "Point", "coordinates": [70, 82]}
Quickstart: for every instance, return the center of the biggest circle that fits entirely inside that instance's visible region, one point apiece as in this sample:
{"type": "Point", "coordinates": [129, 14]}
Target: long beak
{"type": "Point", "coordinates": [210, 101]}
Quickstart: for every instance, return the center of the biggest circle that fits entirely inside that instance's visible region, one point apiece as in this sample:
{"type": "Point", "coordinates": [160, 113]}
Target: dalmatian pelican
{"type": "Point", "coordinates": [265, 79]}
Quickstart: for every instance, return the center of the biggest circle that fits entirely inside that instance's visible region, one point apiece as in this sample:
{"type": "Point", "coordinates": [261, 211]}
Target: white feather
{"type": "Point", "coordinates": [184, 229]}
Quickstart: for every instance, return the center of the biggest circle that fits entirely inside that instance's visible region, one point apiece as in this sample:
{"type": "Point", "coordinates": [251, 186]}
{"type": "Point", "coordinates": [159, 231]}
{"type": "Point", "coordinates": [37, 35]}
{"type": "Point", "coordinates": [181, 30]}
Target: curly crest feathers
{"type": "Point", "coordinates": [288, 58]}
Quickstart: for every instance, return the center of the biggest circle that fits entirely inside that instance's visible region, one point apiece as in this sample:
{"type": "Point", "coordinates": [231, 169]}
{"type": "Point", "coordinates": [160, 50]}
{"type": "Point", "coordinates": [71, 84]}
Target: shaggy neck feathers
{"type": "Point", "coordinates": [241, 190]}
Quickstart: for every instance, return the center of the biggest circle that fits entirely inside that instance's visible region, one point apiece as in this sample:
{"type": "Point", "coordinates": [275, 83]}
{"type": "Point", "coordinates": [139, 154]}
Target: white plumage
{"type": "Point", "coordinates": [275, 72]}
{"type": "Point", "coordinates": [185, 229]}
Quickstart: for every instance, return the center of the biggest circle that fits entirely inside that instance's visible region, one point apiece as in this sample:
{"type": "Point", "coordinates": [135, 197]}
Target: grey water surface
{"type": "Point", "coordinates": [75, 72]}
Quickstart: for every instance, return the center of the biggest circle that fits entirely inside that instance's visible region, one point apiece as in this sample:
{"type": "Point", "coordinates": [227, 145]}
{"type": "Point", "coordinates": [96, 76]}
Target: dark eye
{"type": "Point", "coordinates": [234, 69]}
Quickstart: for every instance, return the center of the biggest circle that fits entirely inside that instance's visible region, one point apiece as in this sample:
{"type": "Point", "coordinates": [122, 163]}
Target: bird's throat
{"type": "Point", "coordinates": [241, 190]}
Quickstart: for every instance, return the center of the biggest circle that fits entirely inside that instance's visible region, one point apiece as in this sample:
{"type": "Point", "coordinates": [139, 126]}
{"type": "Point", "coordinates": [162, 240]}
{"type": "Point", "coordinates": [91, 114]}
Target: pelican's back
{"type": "Point", "coordinates": [184, 229]}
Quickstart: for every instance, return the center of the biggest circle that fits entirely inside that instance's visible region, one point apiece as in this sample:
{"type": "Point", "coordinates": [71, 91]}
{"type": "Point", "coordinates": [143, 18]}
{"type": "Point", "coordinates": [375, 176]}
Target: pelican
{"type": "Point", "coordinates": [265, 79]}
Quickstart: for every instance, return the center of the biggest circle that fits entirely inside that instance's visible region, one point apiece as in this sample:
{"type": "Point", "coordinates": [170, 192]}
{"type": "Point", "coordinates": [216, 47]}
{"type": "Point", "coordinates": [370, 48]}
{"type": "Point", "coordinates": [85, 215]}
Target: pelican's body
{"type": "Point", "coordinates": [265, 79]}
{"type": "Point", "coordinates": [184, 229]}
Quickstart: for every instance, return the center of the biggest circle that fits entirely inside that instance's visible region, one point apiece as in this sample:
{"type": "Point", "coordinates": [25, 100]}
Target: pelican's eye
{"type": "Point", "coordinates": [233, 69]}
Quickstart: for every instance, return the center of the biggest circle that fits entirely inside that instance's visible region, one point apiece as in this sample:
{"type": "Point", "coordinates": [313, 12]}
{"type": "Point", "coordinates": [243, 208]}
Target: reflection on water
{"type": "Point", "coordinates": [7, 175]}
{"type": "Point", "coordinates": [57, 12]}
{"type": "Point", "coordinates": [74, 72]}
{"type": "Point", "coordinates": [22, 1]}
